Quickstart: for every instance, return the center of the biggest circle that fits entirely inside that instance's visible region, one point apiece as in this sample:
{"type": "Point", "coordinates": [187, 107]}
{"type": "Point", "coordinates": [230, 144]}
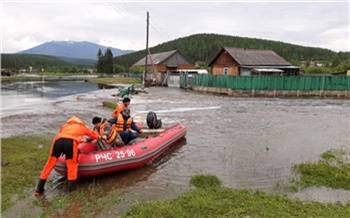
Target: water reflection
{"type": "Point", "coordinates": [49, 89]}
{"type": "Point", "coordinates": [23, 96]}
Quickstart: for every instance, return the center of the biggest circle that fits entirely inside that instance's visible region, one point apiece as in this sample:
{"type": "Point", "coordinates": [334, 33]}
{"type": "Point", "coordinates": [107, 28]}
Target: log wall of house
{"type": "Point", "coordinates": [224, 60]}
{"type": "Point", "coordinates": [218, 70]}
{"type": "Point", "coordinates": [184, 67]}
{"type": "Point", "coordinates": [164, 68]}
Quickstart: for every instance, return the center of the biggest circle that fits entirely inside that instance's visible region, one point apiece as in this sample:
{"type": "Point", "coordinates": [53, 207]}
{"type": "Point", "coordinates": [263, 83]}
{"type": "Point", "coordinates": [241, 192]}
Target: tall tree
{"type": "Point", "coordinates": [108, 65]}
{"type": "Point", "coordinates": [99, 64]}
{"type": "Point", "coordinates": [104, 61]}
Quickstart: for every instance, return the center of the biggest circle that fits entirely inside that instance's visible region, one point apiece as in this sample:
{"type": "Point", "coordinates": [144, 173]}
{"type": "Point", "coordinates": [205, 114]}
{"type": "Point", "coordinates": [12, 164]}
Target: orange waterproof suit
{"type": "Point", "coordinates": [118, 109]}
{"type": "Point", "coordinates": [66, 142]}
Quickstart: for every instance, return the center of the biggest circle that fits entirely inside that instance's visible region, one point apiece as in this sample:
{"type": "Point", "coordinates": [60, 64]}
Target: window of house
{"type": "Point", "coordinates": [225, 71]}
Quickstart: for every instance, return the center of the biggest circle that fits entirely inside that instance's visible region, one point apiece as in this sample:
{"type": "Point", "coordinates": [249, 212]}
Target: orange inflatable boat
{"type": "Point", "coordinates": [93, 163]}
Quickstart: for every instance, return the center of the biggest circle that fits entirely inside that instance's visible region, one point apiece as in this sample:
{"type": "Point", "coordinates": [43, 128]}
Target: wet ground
{"type": "Point", "coordinates": [247, 143]}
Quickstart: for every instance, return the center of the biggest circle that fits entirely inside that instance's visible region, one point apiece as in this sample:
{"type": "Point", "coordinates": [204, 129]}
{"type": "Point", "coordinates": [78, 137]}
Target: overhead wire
{"type": "Point", "coordinates": [129, 14]}
{"type": "Point", "coordinates": [160, 28]}
{"type": "Point", "coordinates": [168, 37]}
{"type": "Point", "coordinates": [116, 8]}
{"type": "Point", "coordinates": [131, 11]}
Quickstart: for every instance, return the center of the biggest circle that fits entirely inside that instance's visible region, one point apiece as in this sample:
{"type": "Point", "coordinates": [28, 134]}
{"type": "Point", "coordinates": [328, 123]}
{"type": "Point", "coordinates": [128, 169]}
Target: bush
{"type": "Point", "coordinates": [317, 70]}
{"type": "Point", "coordinates": [205, 181]}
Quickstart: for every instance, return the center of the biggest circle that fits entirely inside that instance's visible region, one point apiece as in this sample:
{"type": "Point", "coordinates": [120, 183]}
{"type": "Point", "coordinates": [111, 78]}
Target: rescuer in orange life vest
{"type": "Point", "coordinates": [109, 137]}
{"type": "Point", "coordinates": [66, 142]}
{"type": "Point", "coordinates": [121, 107]}
{"type": "Point", "coordinates": [124, 124]}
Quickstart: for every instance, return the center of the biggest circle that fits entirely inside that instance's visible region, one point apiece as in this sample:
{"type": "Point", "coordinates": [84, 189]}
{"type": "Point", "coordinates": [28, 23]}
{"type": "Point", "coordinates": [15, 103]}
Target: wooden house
{"type": "Point", "coordinates": [161, 65]}
{"type": "Point", "coordinates": [343, 73]}
{"type": "Point", "coordinates": [249, 62]}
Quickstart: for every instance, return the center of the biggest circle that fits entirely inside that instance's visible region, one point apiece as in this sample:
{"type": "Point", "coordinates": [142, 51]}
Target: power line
{"type": "Point", "coordinates": [119, 11]}
{"type": "Point", "coordinates": [131, 11]}
{"type": "Point", "coordinates": [161, 29]}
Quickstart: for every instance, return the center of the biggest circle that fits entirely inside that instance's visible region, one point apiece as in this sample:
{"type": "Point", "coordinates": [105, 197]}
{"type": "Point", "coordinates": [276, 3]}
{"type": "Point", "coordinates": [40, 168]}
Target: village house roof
{"type": "Point", "coordinates": [160, 58]}
{"type": "Point", "coordinates": [254, 57]}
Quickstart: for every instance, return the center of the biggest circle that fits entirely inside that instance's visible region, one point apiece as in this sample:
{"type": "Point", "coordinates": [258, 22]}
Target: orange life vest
{"type": "Point", "coordinates": [111, 136]}
{"type": "Point", "coordinates": [119, 126]}
{"type": "Point", "coordinates": [118, 110]}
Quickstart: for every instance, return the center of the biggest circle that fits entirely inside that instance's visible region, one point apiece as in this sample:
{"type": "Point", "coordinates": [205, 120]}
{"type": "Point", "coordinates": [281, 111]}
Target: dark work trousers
{"type": "Point", "coordinates": [127, 136]}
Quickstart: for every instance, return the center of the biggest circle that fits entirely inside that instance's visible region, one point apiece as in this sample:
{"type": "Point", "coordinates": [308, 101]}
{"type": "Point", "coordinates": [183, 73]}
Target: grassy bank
{"type": "Point", "coordinates": [215, 201]}
{"type": "Point", "coordinates": [332, 170]}
{"type": "Point", "coordinates": [110, 105]}
{"type": "Point", "coordinates": [115, 80]}
{"type": "Point", "coordinates": [37, 76]}
{"type": "Point", "coordinates": [26, 156]}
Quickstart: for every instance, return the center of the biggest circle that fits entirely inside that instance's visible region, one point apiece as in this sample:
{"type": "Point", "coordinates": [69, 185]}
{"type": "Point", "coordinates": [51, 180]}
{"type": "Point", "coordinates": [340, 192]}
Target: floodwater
{"type": "Point", "coordinates": [249, 143]}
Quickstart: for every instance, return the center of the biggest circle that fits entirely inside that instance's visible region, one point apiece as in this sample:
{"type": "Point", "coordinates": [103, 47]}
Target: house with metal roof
{"type": "Point", "coordinates": [163, 68]}
{"type": "Point", "coordinates": [248, 62]}
{"type": "Point", "coordinates": [169, 60]}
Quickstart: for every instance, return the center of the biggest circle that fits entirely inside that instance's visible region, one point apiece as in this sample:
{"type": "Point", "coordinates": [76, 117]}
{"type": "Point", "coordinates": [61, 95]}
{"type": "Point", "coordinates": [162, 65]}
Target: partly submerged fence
{"type": "Point", "coordinates": [286, 83]}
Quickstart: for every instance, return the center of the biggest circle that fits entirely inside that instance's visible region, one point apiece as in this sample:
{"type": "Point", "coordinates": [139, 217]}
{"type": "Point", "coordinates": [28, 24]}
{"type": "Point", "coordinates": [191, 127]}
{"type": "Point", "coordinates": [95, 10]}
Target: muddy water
{"type": "Point", "coordinates": [247, 142]}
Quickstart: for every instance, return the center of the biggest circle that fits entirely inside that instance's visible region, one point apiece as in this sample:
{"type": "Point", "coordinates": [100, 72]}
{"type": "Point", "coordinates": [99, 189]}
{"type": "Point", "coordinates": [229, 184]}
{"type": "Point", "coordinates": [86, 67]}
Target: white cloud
{"type": "Point", "coordinates": [122, 24]}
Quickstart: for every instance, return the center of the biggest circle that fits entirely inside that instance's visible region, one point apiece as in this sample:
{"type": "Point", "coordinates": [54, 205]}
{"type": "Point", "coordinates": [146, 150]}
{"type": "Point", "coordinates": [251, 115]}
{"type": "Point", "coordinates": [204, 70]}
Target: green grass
{"type": "Point", "coordinates": [25, 161]}
{"type": "Point", "coordinates": [115, 80]}
{"type": "Point", "coordinates": [109, 104]}
{"type": "Point", "coordinates": [213, 201]}
{"type": "Point", "coordinates": [27, 156]}
{"type": "Point", "coordinates": [38, 76]}
{"type": "Point", "coordinates": [208, 198]}
{"type": "Point", "coordinates": [205, 181]}
{"type": "Point", "coordinates": [14, 78]}
{"type": "Point", "coordinates": [86, 203]}
{"type": "Point", "coordinates": [332, 170]}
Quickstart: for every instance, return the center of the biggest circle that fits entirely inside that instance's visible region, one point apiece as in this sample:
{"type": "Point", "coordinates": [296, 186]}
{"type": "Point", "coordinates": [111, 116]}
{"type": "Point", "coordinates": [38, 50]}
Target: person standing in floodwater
{"type": "Point", "coordinates": [66, 142]}
{"type": "Point", "coordinates": [123, 105]}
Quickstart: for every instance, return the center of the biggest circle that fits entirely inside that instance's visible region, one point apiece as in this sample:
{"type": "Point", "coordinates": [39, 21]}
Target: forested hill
{"type": "Point", "coordinates": [23, 61]}
{"type": "Point", "coordinates": [204, 47]}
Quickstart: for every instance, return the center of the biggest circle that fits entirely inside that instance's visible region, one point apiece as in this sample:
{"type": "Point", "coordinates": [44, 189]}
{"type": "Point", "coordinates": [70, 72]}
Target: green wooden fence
{"type": "Point", "coordinates": [288, 83]}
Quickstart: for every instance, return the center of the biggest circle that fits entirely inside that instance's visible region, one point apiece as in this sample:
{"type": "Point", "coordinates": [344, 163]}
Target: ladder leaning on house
{"type": "Point", "coordinates": [166, 77]}
{"type": "Point", "coordinates": [155, 79]}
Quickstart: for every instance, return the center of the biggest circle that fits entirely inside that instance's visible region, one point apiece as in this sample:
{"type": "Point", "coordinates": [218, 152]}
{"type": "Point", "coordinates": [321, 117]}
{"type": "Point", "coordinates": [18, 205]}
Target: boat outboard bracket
{"type": "Point", "coordinates": [152, 121]}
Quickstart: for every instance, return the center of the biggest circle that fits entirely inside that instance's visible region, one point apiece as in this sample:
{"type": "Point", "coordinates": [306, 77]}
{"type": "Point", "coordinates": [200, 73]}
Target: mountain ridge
{"type": "Point", "coordinates": [72, 49]}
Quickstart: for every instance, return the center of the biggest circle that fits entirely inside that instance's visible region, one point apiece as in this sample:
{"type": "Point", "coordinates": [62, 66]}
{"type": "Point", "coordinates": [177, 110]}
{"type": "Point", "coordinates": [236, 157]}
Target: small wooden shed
{"type": "Point", "coordinates": [248, 62]}
{"type": "Point", "coordinates": [160, 65]}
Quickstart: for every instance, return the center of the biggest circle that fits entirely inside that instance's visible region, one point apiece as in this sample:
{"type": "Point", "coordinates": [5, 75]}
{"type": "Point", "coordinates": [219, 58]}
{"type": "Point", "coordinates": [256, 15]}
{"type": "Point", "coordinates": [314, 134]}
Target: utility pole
{"type": "Point", "coordinates": [147, 33]}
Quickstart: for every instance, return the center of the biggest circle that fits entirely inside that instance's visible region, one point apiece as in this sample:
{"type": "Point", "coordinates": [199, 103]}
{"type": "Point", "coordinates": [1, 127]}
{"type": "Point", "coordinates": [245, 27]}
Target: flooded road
{"type": "Point", "coordinates": [247, 143]}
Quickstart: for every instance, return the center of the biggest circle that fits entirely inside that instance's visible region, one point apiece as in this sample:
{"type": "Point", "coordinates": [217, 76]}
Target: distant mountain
{"type": "Point", "coordinates": [71, 49]}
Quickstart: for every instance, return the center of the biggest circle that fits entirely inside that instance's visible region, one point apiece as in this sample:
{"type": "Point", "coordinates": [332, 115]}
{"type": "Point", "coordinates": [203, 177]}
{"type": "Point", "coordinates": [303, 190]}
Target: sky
{"type": "Point", "coordinates": [122, 24]}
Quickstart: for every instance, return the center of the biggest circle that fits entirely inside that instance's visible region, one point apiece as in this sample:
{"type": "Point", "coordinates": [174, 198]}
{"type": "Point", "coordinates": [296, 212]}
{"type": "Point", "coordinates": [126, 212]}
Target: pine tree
{"type": "Point", "coordinates": [99, 64]}
{"type": "Point", "coordinates": [108, 64]}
